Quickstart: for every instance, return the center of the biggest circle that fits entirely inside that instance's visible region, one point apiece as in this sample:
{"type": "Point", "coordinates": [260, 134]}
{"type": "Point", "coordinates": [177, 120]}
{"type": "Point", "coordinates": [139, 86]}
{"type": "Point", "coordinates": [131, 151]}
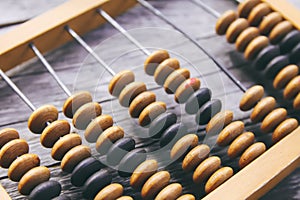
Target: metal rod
{"type": "Point", "coordinates": [207, 8]}
{"type": "Point", "coordinates": [163, 17]}
{"type": "Point", "coordinates": [50, 69]}
{"type": "Point", "coordinates": [89, 49]}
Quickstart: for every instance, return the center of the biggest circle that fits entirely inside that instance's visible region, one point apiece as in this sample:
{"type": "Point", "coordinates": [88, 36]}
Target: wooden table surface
{"type": "Point", "coordinates": [79, 71]}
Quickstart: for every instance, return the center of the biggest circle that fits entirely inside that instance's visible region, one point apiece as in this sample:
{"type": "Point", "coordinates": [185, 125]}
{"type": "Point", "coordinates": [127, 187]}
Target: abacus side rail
{"type": "Point", "coordinates": [3, 194]}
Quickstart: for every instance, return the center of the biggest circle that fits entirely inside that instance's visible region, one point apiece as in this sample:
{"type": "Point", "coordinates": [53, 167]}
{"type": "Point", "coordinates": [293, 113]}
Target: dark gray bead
{"type": "Point", "coordinates": [265, 56]}
{"type": "Point", "coordinates": [161, 123]}
{"type": "Point", "coordinates": [197, 99]}
{"type": "Point", "coordinates": [172, 134]}
{"type": "Point", "coordinates": [45, 191]}
{"type": "Point", "coordinates": [295, 54]}
{"type": "Point", "coordinates": [289, 41]}
{"type": "Point", "coordinates": [276, 65]}
{"type": "Point", "coordinates": [129, 162]}
{"type": "Point", "coordinates": [207, 111]}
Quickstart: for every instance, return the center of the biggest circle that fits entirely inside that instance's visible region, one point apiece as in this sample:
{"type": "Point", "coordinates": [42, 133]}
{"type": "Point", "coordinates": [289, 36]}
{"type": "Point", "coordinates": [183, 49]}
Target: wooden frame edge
{"type": "Point", "coordinates": [3, 194]}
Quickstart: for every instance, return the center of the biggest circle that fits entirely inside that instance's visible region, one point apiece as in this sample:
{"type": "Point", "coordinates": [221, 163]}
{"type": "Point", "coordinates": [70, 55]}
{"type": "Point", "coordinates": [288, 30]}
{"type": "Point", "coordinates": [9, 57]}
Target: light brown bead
{"type": "Point", "coordinates": [154, 184]}
{"type": "Point", "coordinates": [164, 69]}
{"type": "Point", "coordinates": [110, 192]}
{"type": "Point", "coordinates": [174, 80]}
{"type": "Point", "coordinates": [8, 134]}
{"type": "Point", "coordinates": [235, 29]}
{"type": "Point", "coordinates": [258, 13]}
{"type": "Point", "coordinates": [183, 145]}
{"type": "Point", "coordinates": [74, 156]}
{"type": "Point", "coordinates": [85, 114]}
{"type": "Point", "coordinates": [39, 118]}
{"type": "Point", "coordinates": [130, 92]}
{"type": "Point", "coordinates": [152, 111]}
{"type": "Point", "coordinates": [142, 173]}
{"type": "Point", "coordinates": [251, 97]}
{"type": "Point", "coordinates": [218, 178]}
{"type": "Point", "coordinates": [285, 128]}
{"type": "Point", "coordinates": [230, 132]}
{"type": "Point", "coordinates": [125, 198]}
{"type": "Point", "coordinates": [75, 101]}
{"type": "Point", "coordinates": [186, 197]}
{"type": "Point", "coordinates": [119, 81]}
{"type": "Point", "coordinates": [224, 21]}
{"type": "Point", "coordinates": [246, 37]}
{"type": "Point", "coordinates": [273, 119]}
{"type": "Point", "coordinates": [97, 126]}
{"type": "Point", "coordinates": [171, 192]}
{"type": "Point", "coordinates": [22, 165]}
{"type": "Point", "coordinates": [108, 137]}
{"type": "Point", "coordinates": [285, 75]}
{"type": "Point", "coordinates": [255, 46]}
{"type": "Point", "coordinates": [245, 7]}
{"type": "Point", "coordinates": [262, 108]}
{"type": "Point", "coordinates": [206, 169]}
{"type": "Point", "coordinates": [279, 31]}
{"type": "Point", "coordinates": [240, 144]}
{"type": "Point", "coordinates": [269, 22]}
{"type": "Point", "coordinates": [140, 103]}
{"type": "Point", "coordinates": [219, 121]}
{"type": "Point", "coordinates": [251, 153]}
{"type": "Point", "coordinates": [64, 144]}
{"type": "Point", "coordinates": [195, 157]}
{"type": "Point", "coordinates": [32, 178]}
{"type": "Point", "coordinates": [53, 132]}
{"type": "Point", "coordinates": [296, 103]}
{"type": "Point", "coordinates": [154, 60]}
{"type": "Point", "coordinates": [292, 88]}
{"type": "Point", "coordinates": [11, 150]}
{"type": "Point", "coordinates": [186, 89]}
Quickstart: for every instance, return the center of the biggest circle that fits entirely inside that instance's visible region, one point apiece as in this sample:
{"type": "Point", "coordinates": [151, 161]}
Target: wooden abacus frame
{"type": "Point", "coordinates": [47, 32]}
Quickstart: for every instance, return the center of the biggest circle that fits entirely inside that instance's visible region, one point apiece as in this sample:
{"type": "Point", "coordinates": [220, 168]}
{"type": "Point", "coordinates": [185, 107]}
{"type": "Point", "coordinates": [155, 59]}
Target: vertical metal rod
{"type": "Point", "coordinates": [89, 49]}
{"type": "Point", "coordinates": [207, 8]}
{"type": "Point", "coordinates": [50, 69]}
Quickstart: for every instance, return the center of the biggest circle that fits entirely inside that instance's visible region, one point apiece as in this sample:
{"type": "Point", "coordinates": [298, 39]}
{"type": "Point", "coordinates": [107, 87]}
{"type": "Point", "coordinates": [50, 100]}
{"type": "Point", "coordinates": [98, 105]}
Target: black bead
{"type": "Point", "coordinates": [197, 99]}
{"type": "Point", "coordinates": [172, 134]}
{"type": "Point", "coordinates": [289, 41]}
{"type": "Point", "coordinates": [84, 170]}
{"type": "Point", "coordinates": [129, 162]}
{"type": "Point", "coordinates": [45, 191]}
{"type": "Point", "coordinates": [207, 111]}
{"type": "Point", "coordinates": [161, 123]}
{"type": "Point", "coordinates": [265, 56]}
{"type": "Point", "coordinates": [295, 54]}
{"type": "Point", "coordinates": [63, 197]}
{"type": "Point", "coordinates": [276, 65]}
{"type": "Point", "coordinates": [119, 149]}
{"type": "Point", "coordinates": [95, 183]}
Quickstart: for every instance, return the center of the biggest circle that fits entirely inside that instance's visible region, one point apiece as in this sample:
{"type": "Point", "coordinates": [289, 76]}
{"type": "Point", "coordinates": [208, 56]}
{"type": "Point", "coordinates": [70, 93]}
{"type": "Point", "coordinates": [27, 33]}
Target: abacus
{"type": "Point", "coordinates": [67, 24]}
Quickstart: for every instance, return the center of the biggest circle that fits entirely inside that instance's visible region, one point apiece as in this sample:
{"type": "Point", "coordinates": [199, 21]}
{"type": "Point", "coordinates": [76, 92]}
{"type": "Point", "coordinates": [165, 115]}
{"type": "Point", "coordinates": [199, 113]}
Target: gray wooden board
{"type": "Point", "coordinates": [79, 71]}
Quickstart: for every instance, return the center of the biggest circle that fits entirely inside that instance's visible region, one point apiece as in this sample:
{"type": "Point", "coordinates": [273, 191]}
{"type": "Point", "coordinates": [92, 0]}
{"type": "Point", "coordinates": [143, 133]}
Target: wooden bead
{"type": "Point", "coordinates": [186, 89]}
{"type": "Point", "coordinates": [258, 13]}
{"type": "Point", "coordinates": [255, 46]}
{"type": "Point", "coordinates": [62, 146]}
{"type": "Point", "coordinates": [183, 145]}
{"type": "Point", "coordinates": [140, 102]}
{"type": "Point", "coordinates": [279, 31]}
{"type": "Point", "coordinates": [154, 184]}
{"type": "Point", "coordinates": [245, 7]}
{"type": "Point", "coordinates": [53, 132]}
{"type": "Point", "coordinates": [22, 165]}
{"type": "Point", "coordinates": [75, 101]}
{"type": "Point", "coordinates": [251, 153]}
{"type": "Point", "coordinates": [269, 22]}
{"type": "Point", "coordinates": [207, 111]}
{"type": "Point", "coordinates": [11, 150]}
{"type": "Point", "coordinates": [119, 81]}
{"type": "Point", "coordinates": [224, 21]}
{"type": "Point", "coordinates": [251, 97]}
{"type": "Point", "coordinates": [219, 121]}
{"type": "Point", "coordinates": [273, 119]}
{"type": "Point", "coordinates": [296, 103]}
{"type": "Point", "coordinates": [289, 41]}
{"type": "Point", "coordinates": [142, 173]}
{"type": "Point", "coordinates": [154, 60]}
{"type": "Point", "coordinates": [285, 75]}
{"type": "Point", "coordinates": [171, 192]}
{"type": "Point", "coordinates": [195, 157]}
{"type": "Point", "coordinates": [218, 178]}
{"type": "Point", "coordinates": [85, 114]}
{"type": "Point", "coordinates": [161, 123]}
{"type": "Point", "coordinates": [285, 128]}
{"type": "Point", "coordinates": [97, 126]}
{"type": "Point", "coordinates": [265, 56]}
{"type": "Point", "coordinates": [110, 192]}
{"type": "Point", "coordinates": [235, 29]}
{"type": "Point", "coordinates": [241, 143]}
{"type": "Point", "coordinates": [292, 88]}
{"type": "Point", "coordinates": [46, 190]}
{"type": "Point", "coordinates": [174, 80]}
{"type": "Point", "coordinates": [33, 178]}
{"type": "Point", "coordinates": [197, 100]}
{"type": "Point", "coordinates": [230, 132]}
{"type": "Point", "coordinates": [125, 198]}
{"type": "Point", "coordinates": [164, 69]}
{"type": "Point", "coordinates": [276, 65]}
{"type": "Point", "coordinates": [39, 118]}
{"type": "Point", "coordinates": [246, 37]}
{"type": "Point", "coordinates": [186, 197]}
{"type": "Point", "coordinates": [206, 169]}
{"type": "Point", "coordinates": [7, 135]}
{"type": "Point", "coordinates": [108, 137]}
{"type": "Point", "coordinates": [262, 108]}
{"type": "Point", "coordinates": [152, 111]}
{"type": "Point", "coordinates": [74, 156]}
{"type": "Point", "coordinates": [172, 134]}
{"type": "Point", "coordinates": [130, 92]}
